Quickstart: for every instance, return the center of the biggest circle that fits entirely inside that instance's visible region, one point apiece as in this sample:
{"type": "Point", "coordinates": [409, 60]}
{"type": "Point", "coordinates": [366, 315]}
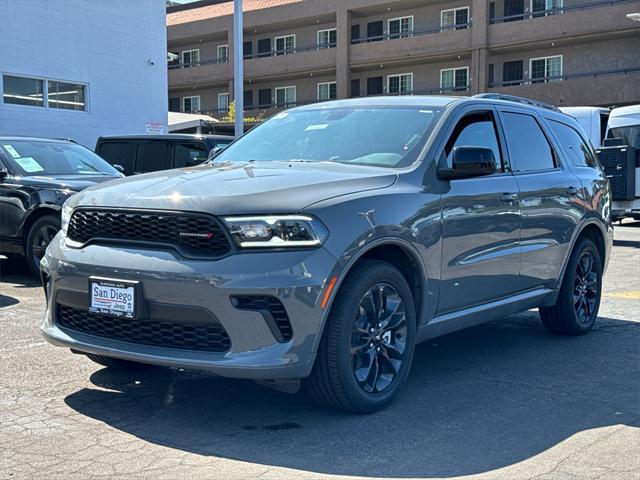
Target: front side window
{"type": "Point", "coordinates": [223, 53]}
{"type": "Point", "coordinates": [529, 149]}
{"type": "Point", "coordinates": [188, 154]}
{"type": "Point", "coordinates": [223, 101]}
{"type": "Point", "coordinates": [68, 96]}
{"type": "Point", "coordinates": [576, 149]}
{"type": "Point", "coordinates": [39, 158]}
{"type": "Point", "coordinates": [454, 18]}
{"type": "Point", "coordinates": [400, 27]}
{"type": "Point", "coordinates": [190, 58]}
{"type": "Point", "coordinates": [285, 96]}
{"type": "Point", "coordinates": [375, 136]}
{"type": "Point", "coordinates": [477, 129]}
{"type": "Point", "coordinates": [400, 84]}
{"type": "Point", "coordinates": [546, 69]}
{"type": "Point", "coordinates": [327, 91]}
{"type": "Point", "coordinates": [327, 38]}
{"type": "Point", "coordinates": [23, 91]}
{"type": "Point", "coordinates": [454, 78]}
{"type": "Point", "coordinates": [285, 45]}
{"type": "Point", "coordinates": [191, 104]}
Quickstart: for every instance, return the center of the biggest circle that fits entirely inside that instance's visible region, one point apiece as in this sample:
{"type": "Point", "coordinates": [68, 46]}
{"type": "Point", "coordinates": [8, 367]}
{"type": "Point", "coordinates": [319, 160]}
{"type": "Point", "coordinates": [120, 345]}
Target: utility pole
{"type": "Point", "coordinates": [238, 66]}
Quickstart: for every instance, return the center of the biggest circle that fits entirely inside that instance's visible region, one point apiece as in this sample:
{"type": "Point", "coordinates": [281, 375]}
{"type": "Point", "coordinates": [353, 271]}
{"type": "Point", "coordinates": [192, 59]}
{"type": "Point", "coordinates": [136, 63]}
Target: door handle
{"type": "Point", "coordinates": [509, 197]}
{"type": "Point", "coordinates": [573, 191]}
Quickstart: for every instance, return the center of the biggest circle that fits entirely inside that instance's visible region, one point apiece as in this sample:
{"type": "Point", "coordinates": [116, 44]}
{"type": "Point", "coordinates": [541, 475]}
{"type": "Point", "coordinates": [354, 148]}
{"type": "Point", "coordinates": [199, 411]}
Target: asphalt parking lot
{"type": "Point", "coordinates": [505, 400]}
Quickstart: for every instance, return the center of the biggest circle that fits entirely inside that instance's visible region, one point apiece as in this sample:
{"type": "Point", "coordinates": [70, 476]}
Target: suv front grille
{"type": "Point", "coordinates": [207, 337]}
{"type": "Point", "coordinates": [193, 235]}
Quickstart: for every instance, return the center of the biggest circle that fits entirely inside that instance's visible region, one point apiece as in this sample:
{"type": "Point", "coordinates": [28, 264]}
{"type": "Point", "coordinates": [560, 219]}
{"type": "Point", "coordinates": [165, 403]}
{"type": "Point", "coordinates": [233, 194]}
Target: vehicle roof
{"type": "Point", "coordinates": [165, 136]}
{"type": "Point", "coordinates": [631, 110]}
{"type": "Point", "coordinates": [386, 101]}
{"type": "Point", "coordinates": [584, 110]}
{"type": "Point", "coordinates": [11, 138]}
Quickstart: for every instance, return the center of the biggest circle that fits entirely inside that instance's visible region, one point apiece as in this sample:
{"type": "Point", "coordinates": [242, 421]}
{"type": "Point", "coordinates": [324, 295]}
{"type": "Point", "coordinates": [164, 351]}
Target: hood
{"type": "Point", "coordinates": [74, 183]}
{"type": "Point", "coordinates": [265, 187]}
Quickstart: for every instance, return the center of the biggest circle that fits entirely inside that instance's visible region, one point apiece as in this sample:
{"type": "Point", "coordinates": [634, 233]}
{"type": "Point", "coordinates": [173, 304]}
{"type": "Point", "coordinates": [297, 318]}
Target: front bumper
{"type": "Point", "coordinates": [296, 278]}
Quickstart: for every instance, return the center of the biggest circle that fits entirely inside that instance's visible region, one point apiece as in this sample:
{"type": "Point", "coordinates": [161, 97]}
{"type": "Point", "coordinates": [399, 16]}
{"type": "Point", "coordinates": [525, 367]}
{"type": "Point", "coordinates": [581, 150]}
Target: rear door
{"type": "Point", "coordinates": [550, 196]}
{"type": "Point", "coordinates": [481, 221]}
{"type": "Point", "coordinates": [153, 156]}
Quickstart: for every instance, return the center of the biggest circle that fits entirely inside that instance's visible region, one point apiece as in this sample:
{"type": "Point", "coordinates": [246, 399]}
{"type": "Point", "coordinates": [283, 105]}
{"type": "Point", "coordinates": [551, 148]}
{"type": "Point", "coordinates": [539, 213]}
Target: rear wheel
{"type": "Point", "coordinates": [115, 363]}
{"type": "Point", "coordinates": [367, 348]}
{"type": "Point", "coordinates": [578, 302]}
{"type": "Point", "coordinates": [40, 235]}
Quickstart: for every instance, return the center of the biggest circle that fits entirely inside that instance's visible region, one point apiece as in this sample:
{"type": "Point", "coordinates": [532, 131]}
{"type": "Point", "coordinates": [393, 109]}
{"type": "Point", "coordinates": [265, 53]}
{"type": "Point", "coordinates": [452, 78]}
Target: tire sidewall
{"type": "Point", "coordinates": [583, 247]}
{"type": "Point", "coordinates": [378, 273]}
{"type": "Point", "coordinates": [42, 221]}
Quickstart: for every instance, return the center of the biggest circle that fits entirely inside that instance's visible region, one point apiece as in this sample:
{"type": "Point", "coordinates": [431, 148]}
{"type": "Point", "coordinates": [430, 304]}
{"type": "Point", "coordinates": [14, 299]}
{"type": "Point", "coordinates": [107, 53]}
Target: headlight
{"type": "Point", "coordinates": [66, 216]}
{"type": "Point", "coordinates": [275, 231]}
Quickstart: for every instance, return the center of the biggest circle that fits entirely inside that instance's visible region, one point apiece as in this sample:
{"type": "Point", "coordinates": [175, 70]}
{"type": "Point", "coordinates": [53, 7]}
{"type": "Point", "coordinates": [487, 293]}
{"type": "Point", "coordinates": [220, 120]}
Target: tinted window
{"type": "Point", "coordinates": [475, 130]}
{"type": "Point", "coordinates": [630, 135]}
{"type": "Point", "coordinates": [576, 149]}
{"type": "Point", "coordinates": [529, 149]}
{"type": "Point", "coordinates": [118, 153]}
{"type": "Point", "coordinates": [152, 156]}
{"type": "Point", "coordinates": [190, 154]}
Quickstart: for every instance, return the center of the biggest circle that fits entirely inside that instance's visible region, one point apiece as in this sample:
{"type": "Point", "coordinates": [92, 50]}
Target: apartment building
{"type": "Point", "coordinates": [566, 52]}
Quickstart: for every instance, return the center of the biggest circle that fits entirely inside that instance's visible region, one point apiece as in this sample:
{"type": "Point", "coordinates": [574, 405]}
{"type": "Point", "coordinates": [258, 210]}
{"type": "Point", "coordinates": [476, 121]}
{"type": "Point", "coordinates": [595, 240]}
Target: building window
{"type": "Point", "coordinates": [264, 97]}
{"type": "Point", "coordinates": [400, 27]}
{"type": "Point", "coordinates": [174, 104]}
{"type": "Point", "coordinates": [545, 69]}
{"type": "Point", "coordinates": [223, 101]}
{"type": "Point", "coordinates": [23, 91]}
{"type": "Point", "coordinates": [248, 98]}
{"type": "Point", "coordinates": [512, 73]}
{"type": "Point", "coordinates": [541, 8]}
{"type": "Point", "coordinates": [355, 33]}
{"type": "Point", "coordinates": [191, 104]}
{"type": "Point", "coordinates": [67, 96]}
{"type": "Point", "coordinates": [400, 84]}
{"type": "Point", "coordinates": [374, 86]}
{"type": "Point", "coordinates": [285, 96]}
{"type": "Point", "coordinates": [190, 58]}
{"type": "Point", "coordinates": [327, 91]}
{"type": "Point", "coordinates": [264, 47]}
{"type": "Point", "coordinates": [223, 53]}
{"type": "Point", "coordinates": [247, 49]}
{"type": "Point", "coordinates": [454, 18]}
{"type": "Point", "coordinates": [454, 78]}
{"type": "Point", "coordinates": [285, 44]}
{"type": "Point", "coordinates": [327, 38]}
{"type": "Point", "coordinates": [355, 87]}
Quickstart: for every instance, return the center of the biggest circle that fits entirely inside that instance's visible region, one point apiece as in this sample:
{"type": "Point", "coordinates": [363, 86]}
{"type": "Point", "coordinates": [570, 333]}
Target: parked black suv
{"type": "Point", "coordinates": [134, 154]}
{"type": "Point", "coordinates": [36, 177]}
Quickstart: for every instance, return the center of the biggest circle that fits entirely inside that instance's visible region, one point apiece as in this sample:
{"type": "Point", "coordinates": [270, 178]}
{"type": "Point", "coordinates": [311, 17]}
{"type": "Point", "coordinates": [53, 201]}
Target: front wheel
{"type": "Point", "coordinates": [578, 302]}
{"type": "Point", "coordinates": [367, 348]}
{"type": "Point", "coordinates": [40, 235]}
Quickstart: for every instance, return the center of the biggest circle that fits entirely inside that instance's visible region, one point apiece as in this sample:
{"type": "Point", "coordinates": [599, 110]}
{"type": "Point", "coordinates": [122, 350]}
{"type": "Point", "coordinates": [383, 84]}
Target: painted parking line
{"type": "Point", "coordinates": [632, 295]}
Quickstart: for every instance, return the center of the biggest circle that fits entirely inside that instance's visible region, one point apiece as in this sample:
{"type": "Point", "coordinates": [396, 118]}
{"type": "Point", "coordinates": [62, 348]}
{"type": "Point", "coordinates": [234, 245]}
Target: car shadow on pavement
{"type": "Point", "coordinates": [15, 270]}
{"type": "Point", "coordinates": [476, 400]}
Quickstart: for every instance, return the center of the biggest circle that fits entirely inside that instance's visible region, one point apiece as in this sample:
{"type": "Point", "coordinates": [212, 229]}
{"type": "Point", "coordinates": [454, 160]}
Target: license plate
{"type": "Point", "coordinates": [115, 298]}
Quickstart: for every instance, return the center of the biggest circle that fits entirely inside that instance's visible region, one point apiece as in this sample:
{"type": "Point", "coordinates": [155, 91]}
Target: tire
{"type": "Point", "coordinates": [339, 378]}
{"type": "Point", "coordinates": [115, 363]}
{"type": "Point", "coordinates": [40, 234]}
{"type": "Point", "coordinates": [576, 308]}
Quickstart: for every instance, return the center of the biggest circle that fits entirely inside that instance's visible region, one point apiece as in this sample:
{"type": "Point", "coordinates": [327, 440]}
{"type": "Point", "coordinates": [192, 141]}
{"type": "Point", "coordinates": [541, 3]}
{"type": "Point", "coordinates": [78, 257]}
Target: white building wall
{"type": "Point", "coordinates": [117, 47]}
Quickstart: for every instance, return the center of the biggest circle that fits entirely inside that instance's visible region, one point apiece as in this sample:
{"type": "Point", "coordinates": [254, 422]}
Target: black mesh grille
{"type": "Point", "coordinates": [271, 308]}
{"type": "Point", "coordinates": [191, 234]}
{"type": "Point", "coordinates": [210, 337]}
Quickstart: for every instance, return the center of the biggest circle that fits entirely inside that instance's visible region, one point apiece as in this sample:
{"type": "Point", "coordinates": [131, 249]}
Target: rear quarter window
{"type": "Point", "coordinates": [576, 149]}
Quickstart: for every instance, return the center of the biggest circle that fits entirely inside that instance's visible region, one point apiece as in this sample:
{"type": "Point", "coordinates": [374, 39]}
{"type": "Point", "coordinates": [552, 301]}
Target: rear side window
{"type": "Point", "coordinates": [153, 156]}
{"type": "Point", "coordinates": [188, 154]}
{"type": "Point", "coordinates": [475, 130]}
{"type": "Point", "coordinates": [529, 149]}
{"type": "Point", "coordinates": [576, 149]}
{"type": "Point", "coordinates": [118, 153]}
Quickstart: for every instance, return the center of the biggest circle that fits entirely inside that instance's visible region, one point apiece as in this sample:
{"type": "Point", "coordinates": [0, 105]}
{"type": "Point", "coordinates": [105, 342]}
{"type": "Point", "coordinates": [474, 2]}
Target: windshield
{"type": "Point", "coordinates": [630, 135]}
{"type": "Point", "coordinates": [377, 136]}
{"type": "Point", "coordinates": [31, 158]}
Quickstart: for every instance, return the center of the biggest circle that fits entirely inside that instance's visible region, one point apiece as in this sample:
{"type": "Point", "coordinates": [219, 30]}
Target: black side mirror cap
{"type": "Point", "coordinates": [470, 162]}
{"type": "Point", "coordinates": [4, 173]}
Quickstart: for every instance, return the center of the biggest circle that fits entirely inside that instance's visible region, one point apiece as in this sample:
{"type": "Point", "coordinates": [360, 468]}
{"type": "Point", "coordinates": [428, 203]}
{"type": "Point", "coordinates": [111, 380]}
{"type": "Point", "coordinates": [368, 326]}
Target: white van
{"type": "Point", "coordinates": [592, 119]}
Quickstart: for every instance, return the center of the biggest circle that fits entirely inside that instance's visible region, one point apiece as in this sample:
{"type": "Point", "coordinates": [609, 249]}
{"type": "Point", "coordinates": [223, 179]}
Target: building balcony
{"type": "Point", "coordinates": [575, 20]}
{"type": "Point", "coordinates": [207, 72]}
{"type": "Point", "coordinates": [285, 62]}
{"type": "Point", "coordinates": [606, 87]}
{"type": "Point", "coordinates": [412, 45]}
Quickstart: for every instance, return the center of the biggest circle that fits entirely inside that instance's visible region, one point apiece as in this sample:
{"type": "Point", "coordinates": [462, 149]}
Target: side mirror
{"type": "Point", "coordinates": [470, 162]}
{"type": "Point", "coordinates": [214, 151]}
{"type": "Point", "coordinates": [120, 168]}
{"type": "Point", "coordinates": [3, 173]}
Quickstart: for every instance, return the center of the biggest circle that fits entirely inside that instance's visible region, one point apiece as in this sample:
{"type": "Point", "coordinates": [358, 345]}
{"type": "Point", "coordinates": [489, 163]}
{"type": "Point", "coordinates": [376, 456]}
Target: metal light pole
{"type": "Point", "coordinates": [238, 67]}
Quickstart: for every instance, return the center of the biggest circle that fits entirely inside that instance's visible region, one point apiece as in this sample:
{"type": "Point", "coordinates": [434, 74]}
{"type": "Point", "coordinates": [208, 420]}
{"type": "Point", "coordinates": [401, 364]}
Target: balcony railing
{"type": "Point", "coordinates": [199, 63]}
{"type": "Point", "coordinates": [568, 76]}
{"type": "Point", "coordinates": [412, 33]}
{"type": "Point", "coordinates": [556, 11]}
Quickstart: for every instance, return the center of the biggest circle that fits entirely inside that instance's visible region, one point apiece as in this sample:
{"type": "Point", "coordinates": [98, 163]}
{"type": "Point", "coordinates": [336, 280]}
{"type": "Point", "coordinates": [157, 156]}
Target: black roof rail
{"type": "Point", "coordinates": [513, 98]}
{"type": "Point", "coordinates": [71, 140]}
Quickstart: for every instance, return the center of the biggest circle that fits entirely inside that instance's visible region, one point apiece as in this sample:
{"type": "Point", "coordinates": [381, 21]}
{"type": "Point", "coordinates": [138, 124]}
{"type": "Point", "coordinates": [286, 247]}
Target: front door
{"type": "Point", "coordinates": [375, 31]}
{"type": "Point", "coordinates": [481, 223]}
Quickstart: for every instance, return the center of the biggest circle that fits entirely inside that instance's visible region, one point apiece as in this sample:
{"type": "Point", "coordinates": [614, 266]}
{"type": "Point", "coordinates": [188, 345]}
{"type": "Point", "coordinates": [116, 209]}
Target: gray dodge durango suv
{"type": "Point", "coordinates": [326, 243]}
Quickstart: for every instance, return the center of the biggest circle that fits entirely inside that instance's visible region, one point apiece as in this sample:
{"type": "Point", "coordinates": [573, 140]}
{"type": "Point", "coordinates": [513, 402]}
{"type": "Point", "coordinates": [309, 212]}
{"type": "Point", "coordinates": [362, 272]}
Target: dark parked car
{"type": "Point", "coordinates": [327, 242]}
{"type": "Point", "coordinates": [36, 177]}
{"type": "Point", "coordinates": [134, 154]}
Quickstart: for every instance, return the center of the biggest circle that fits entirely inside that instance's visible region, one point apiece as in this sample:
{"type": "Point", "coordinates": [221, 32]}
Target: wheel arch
{"type": "Point", "coordinates": [595, 231]}
{"type": "Point", "coordinates": [35, 215]}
